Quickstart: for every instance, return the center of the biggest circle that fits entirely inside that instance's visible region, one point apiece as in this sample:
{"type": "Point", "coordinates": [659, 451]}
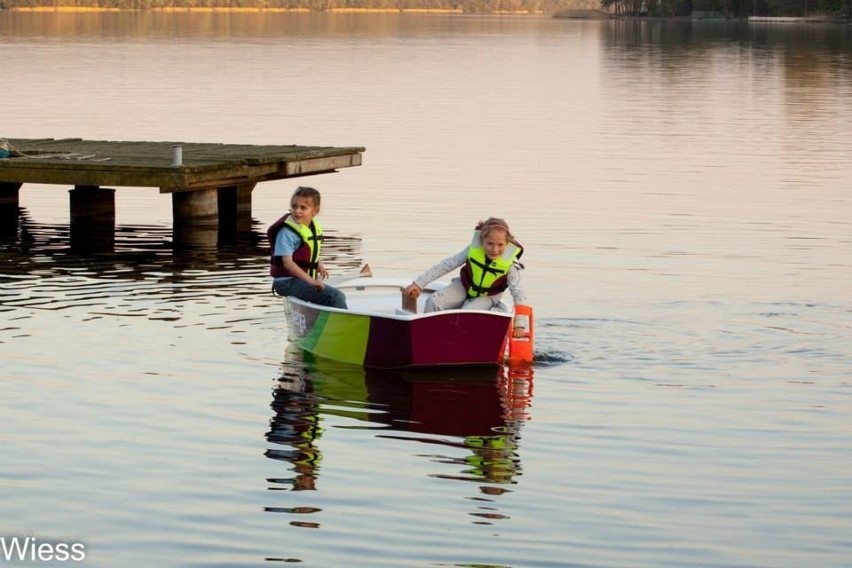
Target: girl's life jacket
{"type": "Point", "coordinates": [483, 277]}
{"type": "Point", "coordinates": [306, 256]}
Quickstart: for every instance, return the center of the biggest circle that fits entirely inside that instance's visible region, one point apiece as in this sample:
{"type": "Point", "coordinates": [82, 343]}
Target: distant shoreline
{"type": "Point", "coordinates": [223, 9]}
{"type": "Point", "coordinates": [571, 14]}
{"type": "Point", "coordinates": [582, 14]}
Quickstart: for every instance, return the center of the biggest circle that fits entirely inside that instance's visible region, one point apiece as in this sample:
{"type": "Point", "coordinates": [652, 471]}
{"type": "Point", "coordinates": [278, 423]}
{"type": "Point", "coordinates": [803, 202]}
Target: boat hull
{"type": "Point", "coordinates": [375, 332]}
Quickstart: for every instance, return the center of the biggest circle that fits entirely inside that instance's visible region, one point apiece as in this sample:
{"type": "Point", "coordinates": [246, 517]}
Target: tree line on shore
{"type": "Point", "coordinates": [825, 9]}
{"type": "Point", "coordinates": [619, 8]}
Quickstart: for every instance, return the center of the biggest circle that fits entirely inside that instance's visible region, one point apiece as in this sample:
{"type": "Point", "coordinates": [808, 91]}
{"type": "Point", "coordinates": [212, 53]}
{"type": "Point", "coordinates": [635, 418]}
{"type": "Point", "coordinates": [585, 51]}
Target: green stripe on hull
{"type": "Point", "coordinates": [339, 336]}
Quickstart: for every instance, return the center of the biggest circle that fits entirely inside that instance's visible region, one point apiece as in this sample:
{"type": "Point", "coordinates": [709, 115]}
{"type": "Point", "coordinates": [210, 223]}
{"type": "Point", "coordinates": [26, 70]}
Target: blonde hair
{"type": "Point", "coordinates": [492, 224]}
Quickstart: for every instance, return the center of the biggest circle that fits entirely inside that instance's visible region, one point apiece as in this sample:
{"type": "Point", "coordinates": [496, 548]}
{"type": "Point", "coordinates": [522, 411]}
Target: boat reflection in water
{"type": "Point", "coordinates": [478, 410]}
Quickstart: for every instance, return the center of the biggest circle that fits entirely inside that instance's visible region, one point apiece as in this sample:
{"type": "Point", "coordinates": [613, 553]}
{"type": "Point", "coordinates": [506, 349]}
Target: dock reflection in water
{"type": "Point", "coordinates": [480, 411]}
{"type": "Point", "coordinates": [144, 273]}
{"type": "Point", "coordinates": [28, 245]}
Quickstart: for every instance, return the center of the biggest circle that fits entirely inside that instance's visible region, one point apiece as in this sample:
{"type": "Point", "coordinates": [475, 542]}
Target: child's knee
{"type": "Point", "coordinates": [338, 298]}
{"type": "Point", "coordinates": [445, 299]}
{"type": "Point", "coordinates": [436, 302]}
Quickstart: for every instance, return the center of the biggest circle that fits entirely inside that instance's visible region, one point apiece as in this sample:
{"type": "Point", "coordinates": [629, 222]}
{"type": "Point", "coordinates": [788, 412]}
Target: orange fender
{"type": "Point", "coordinates": [521, 348]}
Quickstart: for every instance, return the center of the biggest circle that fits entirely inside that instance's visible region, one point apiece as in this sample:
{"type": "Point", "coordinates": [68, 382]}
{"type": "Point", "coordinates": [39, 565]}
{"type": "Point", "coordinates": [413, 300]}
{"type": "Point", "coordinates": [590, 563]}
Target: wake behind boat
{"type": "Point", "coordinates": [375, 331]}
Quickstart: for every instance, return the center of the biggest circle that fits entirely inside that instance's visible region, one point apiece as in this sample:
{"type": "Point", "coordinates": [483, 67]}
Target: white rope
{"type": "Point", "coordinates": [15, 153]}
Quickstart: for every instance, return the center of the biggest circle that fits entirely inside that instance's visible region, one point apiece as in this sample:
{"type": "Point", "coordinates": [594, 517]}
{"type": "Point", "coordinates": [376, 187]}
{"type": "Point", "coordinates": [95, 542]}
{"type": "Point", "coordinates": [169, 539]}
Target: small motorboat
{"type": "Point", "coordinates": [382, 329]}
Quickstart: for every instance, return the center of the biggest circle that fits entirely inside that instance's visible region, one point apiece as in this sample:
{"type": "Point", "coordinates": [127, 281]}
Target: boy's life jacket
{"type": "Point", "coordinates": [306, 256]}
{"type": "Point", "coordinates": [483, 277]}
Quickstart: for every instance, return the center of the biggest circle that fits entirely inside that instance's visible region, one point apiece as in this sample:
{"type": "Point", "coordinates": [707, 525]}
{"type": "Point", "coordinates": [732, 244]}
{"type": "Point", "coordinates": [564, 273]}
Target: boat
{"type": "Point", "coordinates": [381, 329]}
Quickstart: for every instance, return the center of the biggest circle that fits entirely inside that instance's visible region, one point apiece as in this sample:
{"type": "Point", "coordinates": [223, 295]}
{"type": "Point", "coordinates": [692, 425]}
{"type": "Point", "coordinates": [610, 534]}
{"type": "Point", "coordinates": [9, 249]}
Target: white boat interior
{"type": "Point", "coordinates": [382, 296]}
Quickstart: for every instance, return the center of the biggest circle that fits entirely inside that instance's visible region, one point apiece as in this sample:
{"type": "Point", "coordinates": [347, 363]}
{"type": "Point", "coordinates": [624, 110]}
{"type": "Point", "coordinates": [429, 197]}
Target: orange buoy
{"type": "Point", "coordinates": [521, 348]}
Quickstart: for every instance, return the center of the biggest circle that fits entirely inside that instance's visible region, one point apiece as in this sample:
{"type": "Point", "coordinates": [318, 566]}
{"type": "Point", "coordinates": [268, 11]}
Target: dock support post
{"type": "Point", "coordinates": [234, 210]}
{"type": "Point", "coordinates": [9, 208]}
{"type": "Point", "coordinates": [195, 216]}
{"type": "Point", "coordinates": [92, 218]}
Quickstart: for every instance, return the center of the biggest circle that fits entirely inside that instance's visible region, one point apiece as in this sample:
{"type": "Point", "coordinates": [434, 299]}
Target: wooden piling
{"type": "Point", "coordinates": [196, 218]}
{"type": "Point", "coordinates": [92, 218]}
{"type": "Point", "coordinates": [235, 208]}
{"type": "Point", "coordinates": [9, 194]}
{"type": "Point", "coordinates": [9, 209]}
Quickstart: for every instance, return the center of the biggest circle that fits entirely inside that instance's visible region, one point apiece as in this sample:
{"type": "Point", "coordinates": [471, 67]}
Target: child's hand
{"type": "Point", "coordinates": [322, 272]}
{"type": "Point", "coordinates": [518, 332]}
{"type": "Point", "coordinates": [412, 290]}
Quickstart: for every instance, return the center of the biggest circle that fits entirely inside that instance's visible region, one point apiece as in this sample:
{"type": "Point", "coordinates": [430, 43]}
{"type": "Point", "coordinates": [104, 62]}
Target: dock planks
{"type": "Point", "coordinates": [78, 162]}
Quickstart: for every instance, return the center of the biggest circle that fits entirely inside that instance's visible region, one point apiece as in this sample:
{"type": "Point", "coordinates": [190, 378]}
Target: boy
{"type": "Point", "coordinates": [295, 241]}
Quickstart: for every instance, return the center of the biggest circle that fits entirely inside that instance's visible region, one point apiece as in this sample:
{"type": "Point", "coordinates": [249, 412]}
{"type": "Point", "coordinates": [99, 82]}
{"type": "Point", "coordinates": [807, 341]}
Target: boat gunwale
{"type": "Point", "coordinates": [387, 282]}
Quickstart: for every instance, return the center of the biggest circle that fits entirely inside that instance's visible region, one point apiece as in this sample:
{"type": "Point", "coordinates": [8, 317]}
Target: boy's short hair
{"type": "Point", "coordinates": [307, 193]}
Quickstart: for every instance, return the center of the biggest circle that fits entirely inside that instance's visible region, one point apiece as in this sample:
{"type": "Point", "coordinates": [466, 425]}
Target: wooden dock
{"type": "Point", "coordinates": [210, 184]}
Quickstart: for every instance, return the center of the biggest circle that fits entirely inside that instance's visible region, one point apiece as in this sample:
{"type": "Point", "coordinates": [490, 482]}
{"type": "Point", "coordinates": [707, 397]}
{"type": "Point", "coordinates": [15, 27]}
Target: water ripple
{"type": "Point", "coordinates": [41, 274]}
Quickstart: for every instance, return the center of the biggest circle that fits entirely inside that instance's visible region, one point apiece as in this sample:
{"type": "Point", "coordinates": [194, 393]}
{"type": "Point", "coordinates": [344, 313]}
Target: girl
{"type": "Point", "coordinates": [489, 266]}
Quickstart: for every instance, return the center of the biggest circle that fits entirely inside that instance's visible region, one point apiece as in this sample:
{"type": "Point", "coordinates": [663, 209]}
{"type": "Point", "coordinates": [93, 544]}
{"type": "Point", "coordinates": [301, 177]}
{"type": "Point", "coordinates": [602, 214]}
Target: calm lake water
{"type": "Point", "coordinates": [683, 192]}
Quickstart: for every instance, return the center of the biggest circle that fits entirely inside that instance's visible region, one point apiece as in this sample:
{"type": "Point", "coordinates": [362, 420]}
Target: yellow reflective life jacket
{"type": "Point", "coordinates": [486, 277]}
{"type": "Point", "coordinates": [306, 256]}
